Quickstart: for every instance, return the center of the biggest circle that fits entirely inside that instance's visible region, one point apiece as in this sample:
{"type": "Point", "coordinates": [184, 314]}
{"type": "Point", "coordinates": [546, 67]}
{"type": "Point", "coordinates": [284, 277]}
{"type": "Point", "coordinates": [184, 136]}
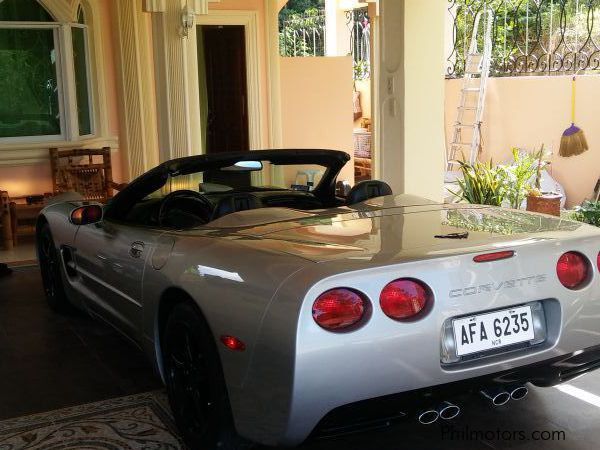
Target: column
{"type": "Point", "coordinates": [410, 96]}
{"type": "Point", "coordinates": [176, 72]}
{"type": "Point", "coordinates": [138, 134]}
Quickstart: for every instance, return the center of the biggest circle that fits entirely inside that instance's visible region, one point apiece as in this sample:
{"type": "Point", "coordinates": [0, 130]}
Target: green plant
{"type": "Point", "coordinates": [543, 160]}
{"type": "Point", "coordinates": [588, 212]}
{"type": "Point", "coordinates": [302, 33]}
{"type": "Point", "coordinates": [482, 183]}
{"type": "Point", "coordinates": [362, 70]}
{"type": "Point", "coordinates": [518, 177]}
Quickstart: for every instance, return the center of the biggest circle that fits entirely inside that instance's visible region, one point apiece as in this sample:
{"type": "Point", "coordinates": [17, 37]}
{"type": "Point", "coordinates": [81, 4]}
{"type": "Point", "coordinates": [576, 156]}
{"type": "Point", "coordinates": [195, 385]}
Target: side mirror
{"type": "Point", "coordinates": [85, 215]}
{"type": "Point", "coordinates": [342, 188]}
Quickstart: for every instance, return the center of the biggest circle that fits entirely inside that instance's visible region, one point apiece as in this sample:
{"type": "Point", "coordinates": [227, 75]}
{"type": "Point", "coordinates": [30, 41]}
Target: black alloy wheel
{"type": "Point", "coordinates": [49, 261]}
{"type": "Point", "coordinates": [195, 383]}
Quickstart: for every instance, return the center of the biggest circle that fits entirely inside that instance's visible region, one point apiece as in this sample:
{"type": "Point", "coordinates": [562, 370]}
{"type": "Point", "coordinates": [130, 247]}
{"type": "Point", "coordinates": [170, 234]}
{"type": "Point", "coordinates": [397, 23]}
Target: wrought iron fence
{"type": "Point", "coordinates": [359, 24]}
{"type": "Point", "coordinates": [303, 34]}
{"type": "Point", "coordinates": [529, 36]}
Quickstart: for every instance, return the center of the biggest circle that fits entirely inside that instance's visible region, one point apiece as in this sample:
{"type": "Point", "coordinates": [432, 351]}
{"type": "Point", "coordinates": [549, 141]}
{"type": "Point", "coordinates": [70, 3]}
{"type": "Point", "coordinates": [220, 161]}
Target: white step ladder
{"type": "Point", "coordinates": [467, 128]}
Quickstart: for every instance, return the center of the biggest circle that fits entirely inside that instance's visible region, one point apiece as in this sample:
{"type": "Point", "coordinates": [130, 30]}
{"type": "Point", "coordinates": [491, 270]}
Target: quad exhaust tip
{"type": "Point", "coordinates": [428, 416]}
{"type": "Point", "coordinates": [518, 392]}
{"type": "Point", "coordinates": [497, 396]}
{"type": "Point", "coordinates": [448, 411]}
{"type": "Point", "coordinates": [445, 411]}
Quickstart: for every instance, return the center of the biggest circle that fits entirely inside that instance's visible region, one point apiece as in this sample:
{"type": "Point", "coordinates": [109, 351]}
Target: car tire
{"type": "Point", "coordinates": [195, 382]}
{"type": "Point", "coordinates": [49, 260]}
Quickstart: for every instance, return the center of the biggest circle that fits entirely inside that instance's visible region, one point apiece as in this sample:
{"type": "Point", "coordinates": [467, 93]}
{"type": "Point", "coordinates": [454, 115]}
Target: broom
{"type": "Point", "coordinates": [573, 140]}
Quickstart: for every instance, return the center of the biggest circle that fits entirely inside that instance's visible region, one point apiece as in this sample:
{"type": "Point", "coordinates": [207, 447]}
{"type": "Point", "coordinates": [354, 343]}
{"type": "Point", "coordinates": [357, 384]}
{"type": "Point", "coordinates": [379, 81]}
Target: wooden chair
{"type": "Point", "coordinates": [85, 171]}
{"type": "Point", "coordinates": [8, 234]}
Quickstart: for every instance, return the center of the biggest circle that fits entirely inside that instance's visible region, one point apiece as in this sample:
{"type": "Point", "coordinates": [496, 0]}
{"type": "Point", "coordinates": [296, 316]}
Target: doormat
{"type": "Point", "coordinates": [134, 422]}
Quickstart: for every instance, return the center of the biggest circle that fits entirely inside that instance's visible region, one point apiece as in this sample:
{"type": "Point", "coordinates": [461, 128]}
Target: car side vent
{"type": "Point", "coordinates": [69, 261]}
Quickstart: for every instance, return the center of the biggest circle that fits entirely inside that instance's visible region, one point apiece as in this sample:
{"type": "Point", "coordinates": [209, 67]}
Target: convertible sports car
{"type": "Point", "coordinates": [276, 311]}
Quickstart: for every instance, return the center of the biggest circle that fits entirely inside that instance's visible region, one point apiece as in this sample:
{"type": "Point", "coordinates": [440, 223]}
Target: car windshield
{"type": "Point", "coordinates": [247, 176]}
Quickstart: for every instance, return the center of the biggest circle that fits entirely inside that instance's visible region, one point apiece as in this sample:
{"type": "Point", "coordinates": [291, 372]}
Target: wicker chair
{"type": "Point", "coordinates": [85, 171]}
{"type": "Point", "coordinates": [8, 232]}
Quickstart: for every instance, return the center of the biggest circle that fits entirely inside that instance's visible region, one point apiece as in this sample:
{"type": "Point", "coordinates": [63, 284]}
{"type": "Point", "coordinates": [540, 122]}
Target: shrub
{"type": "Point", "coordinates": [588, 212]}
{"type": "Point", "coordinates": [482, 183]}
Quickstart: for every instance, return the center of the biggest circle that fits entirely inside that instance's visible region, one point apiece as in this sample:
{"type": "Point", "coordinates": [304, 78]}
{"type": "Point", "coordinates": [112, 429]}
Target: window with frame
{"type": "Point", "coordinates": [38, 101]}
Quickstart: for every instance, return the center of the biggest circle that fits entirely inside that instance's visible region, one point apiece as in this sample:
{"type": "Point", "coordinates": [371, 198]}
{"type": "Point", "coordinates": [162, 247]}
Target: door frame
{"type": "Point", "coordinates": [249, 20]}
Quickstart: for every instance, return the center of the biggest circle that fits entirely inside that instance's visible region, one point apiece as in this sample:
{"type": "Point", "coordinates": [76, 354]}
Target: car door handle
{"type": "Point", "coordinates": [136, 250]}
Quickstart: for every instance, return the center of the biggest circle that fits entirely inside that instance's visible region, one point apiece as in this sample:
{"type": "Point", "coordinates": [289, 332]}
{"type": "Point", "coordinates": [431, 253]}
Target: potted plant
{"type": "Point", "coordinates": [482, 183]}
{"type": "Point", "coordinates": [518, 177]}
{"type": "Point", "coordinates": [538, 201]}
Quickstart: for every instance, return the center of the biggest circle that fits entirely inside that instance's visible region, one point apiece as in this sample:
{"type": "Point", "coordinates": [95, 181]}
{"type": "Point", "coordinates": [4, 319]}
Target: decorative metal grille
{"type": "Point", "coordinates": [359, 24]}
{"type": "Point", "coordinates": [529, 36]}
{"type": "Point", "coordinates": [303, 34]}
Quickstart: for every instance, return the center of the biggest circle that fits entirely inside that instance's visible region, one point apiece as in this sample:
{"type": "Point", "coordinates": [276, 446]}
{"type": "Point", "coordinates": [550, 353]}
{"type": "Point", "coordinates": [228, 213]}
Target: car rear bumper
{"type": "Point", "coordinates": [383, 411]}
{"type": "Point", "coordinates": [315, 372]}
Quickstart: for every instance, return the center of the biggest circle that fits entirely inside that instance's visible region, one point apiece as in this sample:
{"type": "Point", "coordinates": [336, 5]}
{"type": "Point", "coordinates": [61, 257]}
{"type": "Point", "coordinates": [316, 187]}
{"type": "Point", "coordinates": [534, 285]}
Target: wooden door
{"type": "Point", "coordinates": [225, 61]}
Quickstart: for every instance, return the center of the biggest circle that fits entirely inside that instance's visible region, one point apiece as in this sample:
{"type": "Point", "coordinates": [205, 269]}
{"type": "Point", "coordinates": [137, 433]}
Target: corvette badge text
{"type": "Point", "coordinates": [495, 287]}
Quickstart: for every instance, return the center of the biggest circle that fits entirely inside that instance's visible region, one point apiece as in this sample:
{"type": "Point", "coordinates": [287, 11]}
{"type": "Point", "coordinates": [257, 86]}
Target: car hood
{"type": "Point", "coordinates": [393, 228]}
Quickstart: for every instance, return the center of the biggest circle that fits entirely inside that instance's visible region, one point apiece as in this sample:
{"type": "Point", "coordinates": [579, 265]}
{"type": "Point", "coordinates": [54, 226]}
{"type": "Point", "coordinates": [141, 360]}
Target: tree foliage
{"type": "Point", "coordinates": [295, 7]}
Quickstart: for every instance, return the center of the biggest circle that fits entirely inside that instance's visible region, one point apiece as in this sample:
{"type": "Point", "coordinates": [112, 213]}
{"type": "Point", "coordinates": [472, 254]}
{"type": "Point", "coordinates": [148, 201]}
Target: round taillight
{"type": "Point", "coordinates": [404, 298]}
{"type": "Point", "coordinates": [338, 309]}
{"type": "Point", "coordinates": [572, 270]}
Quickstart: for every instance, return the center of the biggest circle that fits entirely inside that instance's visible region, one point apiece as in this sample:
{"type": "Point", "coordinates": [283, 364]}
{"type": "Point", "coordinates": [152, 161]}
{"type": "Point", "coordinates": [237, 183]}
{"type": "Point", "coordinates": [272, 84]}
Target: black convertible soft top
{"type": "Point", "coordinates": [154, 179]}
{"type": "Point", "coordinates": [332, 159]}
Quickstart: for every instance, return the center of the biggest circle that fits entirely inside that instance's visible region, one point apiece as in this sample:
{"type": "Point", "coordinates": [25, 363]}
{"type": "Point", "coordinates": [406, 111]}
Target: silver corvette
{"type": "Point", "coordinates": [277, 311]}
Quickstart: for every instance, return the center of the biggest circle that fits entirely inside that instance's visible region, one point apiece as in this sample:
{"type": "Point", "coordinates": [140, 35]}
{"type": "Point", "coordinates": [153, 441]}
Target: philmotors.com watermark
{"type": "Point", "coordinates": [466, 433]}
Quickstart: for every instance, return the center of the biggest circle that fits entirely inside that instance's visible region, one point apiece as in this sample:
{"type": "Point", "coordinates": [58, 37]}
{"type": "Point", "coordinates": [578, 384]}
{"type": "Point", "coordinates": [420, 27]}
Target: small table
{"type": "Point", "coordinates": [26, 216]}
{"type": "Point", "coordinates": [6, 222]}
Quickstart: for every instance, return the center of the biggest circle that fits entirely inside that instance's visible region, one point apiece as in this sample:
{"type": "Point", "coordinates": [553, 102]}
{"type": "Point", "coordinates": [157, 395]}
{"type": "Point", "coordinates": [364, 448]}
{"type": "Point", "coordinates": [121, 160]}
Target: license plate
{"type": "Point", "coordinates": [493, 330]}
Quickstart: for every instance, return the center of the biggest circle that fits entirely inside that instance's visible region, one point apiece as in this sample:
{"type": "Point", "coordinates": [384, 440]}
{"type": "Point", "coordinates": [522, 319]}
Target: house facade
{"type": "Point", "coordinates": [135, 75]}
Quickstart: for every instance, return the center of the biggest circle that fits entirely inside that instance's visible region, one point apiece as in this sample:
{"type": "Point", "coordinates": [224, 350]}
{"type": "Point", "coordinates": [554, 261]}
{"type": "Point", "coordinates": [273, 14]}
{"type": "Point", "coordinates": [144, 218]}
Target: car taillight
{"type": "Point", "coordinates": [572, 270]}
{"type": "Point", "coordinates": [489, 257]}
{"type": "Point", "coordinates": [598, 261]}
{"type": "Point", "coordinates": [338, 309]}
{"type": "Point", "coordinates": [404, 298]}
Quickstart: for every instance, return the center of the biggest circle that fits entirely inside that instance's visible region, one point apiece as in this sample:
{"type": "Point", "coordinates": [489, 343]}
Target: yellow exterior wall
{"type": "Point", "coordinates": [316, 98]}
{"type": "Point", "coordinates": [525, 112]}
{"type": "Point", "coordinates": [424, 97]}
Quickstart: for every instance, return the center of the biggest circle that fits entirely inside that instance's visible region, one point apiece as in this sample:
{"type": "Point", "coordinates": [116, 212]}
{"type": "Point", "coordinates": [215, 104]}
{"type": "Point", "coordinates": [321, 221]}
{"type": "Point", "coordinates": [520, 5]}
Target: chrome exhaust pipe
{"type": "Point", "coordinates": [518, 392]}
{"type": "Point", "coordinates": [428, 416]}
{"type": "Point", "coordinates": [498, 396]}
{"type": "Point", "coordinates": [448, 411]}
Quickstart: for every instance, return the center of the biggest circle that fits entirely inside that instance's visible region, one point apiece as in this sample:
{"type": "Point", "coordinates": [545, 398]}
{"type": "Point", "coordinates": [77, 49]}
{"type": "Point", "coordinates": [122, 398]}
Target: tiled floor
{"type": "Point", "coordinates": [49, 362]}
{"type": "Point", "coordinates": [24, 251]}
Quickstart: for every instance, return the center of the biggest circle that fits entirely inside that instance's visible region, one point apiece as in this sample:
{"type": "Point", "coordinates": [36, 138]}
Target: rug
{"type": "Point", "coordinates": [127, 423]}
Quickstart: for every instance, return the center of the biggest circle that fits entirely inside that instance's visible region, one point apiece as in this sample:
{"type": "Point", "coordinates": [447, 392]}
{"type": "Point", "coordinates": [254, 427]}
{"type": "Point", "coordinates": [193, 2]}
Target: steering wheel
{"type": "Point", "coordinates": [191, 204]}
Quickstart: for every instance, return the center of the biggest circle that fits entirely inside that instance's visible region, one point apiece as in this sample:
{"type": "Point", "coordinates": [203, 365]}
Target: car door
{"type": "Point", "coordinates": [110, 259]}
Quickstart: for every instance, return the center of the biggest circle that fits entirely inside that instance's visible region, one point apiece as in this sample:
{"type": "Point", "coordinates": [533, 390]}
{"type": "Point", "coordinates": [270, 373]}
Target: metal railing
{"type": "Point", "coordinates": [530, 37]}
{"type": "Point", "coordinates": [303, 34]}
{"type": "Point", "coordinates": [359, 24]}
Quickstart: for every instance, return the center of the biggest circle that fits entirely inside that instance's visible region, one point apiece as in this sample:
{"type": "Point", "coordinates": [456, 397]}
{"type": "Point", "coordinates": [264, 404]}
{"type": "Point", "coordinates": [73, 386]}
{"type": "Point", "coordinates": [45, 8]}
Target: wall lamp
{"type": "Point", "coordinates": [188, 20]}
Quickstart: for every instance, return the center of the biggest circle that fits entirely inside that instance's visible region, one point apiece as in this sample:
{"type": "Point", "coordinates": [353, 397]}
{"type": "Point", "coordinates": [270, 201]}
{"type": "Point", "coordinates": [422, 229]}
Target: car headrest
{"type": "Point", "coordinates": [367, 189]}
{"type": "Point", "coordinates": [234, 203]}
